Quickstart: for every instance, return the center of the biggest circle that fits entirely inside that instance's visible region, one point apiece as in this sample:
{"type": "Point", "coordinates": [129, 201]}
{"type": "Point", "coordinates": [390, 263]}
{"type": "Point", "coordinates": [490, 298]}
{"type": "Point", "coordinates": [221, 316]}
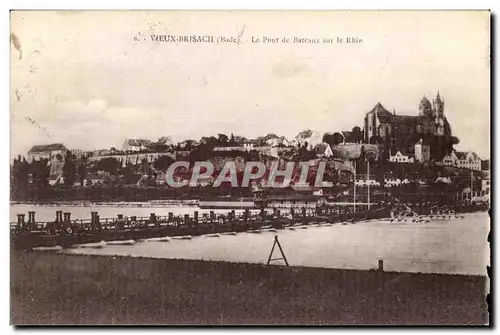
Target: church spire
{"type": "Point", "coordinates": [438, 97]}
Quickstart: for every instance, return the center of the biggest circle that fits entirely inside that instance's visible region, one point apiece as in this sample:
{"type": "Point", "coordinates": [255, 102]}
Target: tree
{"type": "Point", "coordinates": [356, 135]}
{"type": "Point", "coordinates": [163, 162]}
{"type": "Point", "coordinates": [333, 139]}
{"type": "Point", "coordinates": [232, 141]}
{"type": "Point", "coordinates": [69, 169]}
{"type": "Point", "coordinates": [40, 172]}
{"type": "Point", "coordinates": [82, 170]}
{"type": "Point", "coordinates": [222, 140]}
{"type": "Point", "coordinates": [375, 140]}
{"type": "Point", "coordinates": [20, 171]}
{"type": "Point", "coordinates": [328, 138]}
{"type": "Point", "coordinates": [159, 147]}
{"type": "Point", "coordinates": [127, 173]}
{"type": "Point", "coordinates": [145, 168]}
{"type": "Point", "coordinates": [109, 164]}
{"type": "Point", "coordinates": [207, 143]}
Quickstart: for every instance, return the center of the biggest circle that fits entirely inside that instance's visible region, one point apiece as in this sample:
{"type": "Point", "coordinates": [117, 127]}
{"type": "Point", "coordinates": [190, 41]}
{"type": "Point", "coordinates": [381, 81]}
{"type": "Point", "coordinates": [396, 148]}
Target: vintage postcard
{"type": "Point", "coordinates": [250, 167]}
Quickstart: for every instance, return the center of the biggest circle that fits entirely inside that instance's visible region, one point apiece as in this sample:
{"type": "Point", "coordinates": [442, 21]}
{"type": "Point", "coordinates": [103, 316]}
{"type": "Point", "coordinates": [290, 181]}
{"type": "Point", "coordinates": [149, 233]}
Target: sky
{"type": "Point", "coordinates": [92, 79]}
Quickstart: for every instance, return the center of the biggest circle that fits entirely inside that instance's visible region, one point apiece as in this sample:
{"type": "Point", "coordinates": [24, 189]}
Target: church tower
{"type": "Point", "coordinates": [438, 113]}
{"type": "Point", "coordinates": [425, 108]}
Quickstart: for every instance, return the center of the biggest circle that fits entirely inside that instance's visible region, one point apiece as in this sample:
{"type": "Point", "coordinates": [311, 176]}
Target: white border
{"type": "Point", "coordinates": [186, 4]}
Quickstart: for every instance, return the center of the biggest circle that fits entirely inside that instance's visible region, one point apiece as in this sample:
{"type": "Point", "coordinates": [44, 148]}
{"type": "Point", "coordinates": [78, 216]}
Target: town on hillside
{"type": "Point", "coordinates": [390, 151]}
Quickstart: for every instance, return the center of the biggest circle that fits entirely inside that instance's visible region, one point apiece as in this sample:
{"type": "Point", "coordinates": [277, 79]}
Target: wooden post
{"type": "Point", "coordinates": [31, 217]}
{"type": "Point", "coordinates": [59, 218]}
{"type": "Point", "coordinates": [196, 218]}
{"type": "Point", "coordinates": [97, 222]}
{"type": "Point", "coordinates": [20, 220]}
{"type": "Point", "coordinates": [152, 219]}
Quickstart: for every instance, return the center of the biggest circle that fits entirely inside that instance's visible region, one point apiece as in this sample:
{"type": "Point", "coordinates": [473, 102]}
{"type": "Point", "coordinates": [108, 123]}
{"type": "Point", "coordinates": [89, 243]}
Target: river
{"type": "Point", "coordinates": [48, 212]}
{"type": "Point", "coordinates": [453, 246]}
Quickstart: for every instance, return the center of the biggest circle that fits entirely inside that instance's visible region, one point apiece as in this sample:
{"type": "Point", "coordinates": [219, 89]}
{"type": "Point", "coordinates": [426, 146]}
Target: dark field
{"type": "Point", "coordinates": [68, 289]}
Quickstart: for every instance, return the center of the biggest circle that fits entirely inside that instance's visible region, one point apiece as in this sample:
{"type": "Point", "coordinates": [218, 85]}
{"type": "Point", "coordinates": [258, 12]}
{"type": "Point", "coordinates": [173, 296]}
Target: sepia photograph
{"type": "Point", "coordinates": [250, 167]}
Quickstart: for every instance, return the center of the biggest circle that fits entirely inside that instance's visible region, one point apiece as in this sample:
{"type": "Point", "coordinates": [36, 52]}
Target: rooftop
{"type": "Point", "coordinates": [48, 147]}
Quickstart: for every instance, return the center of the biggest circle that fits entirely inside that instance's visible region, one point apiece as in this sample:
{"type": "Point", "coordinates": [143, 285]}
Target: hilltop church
{"type": "Point", "coordinates": [401, 132]}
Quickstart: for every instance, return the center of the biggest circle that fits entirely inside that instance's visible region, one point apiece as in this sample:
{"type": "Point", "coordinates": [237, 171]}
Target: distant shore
{"type": "Point", "coordinates": [84, 203]}
{"type": "Point", "coordinates": [69, 289]}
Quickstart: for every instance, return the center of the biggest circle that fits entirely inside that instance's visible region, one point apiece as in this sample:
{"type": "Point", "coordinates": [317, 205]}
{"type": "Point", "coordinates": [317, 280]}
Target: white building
{"type": "Point", "coordinates": [48, 151]}
{"type": "Point", "coordinates": [468, 160]}
{"type": "Point", "coordinates": [400, 158]}
{"type": "Point", "coordinates": [278, 141]}
{"type": "Point", "coordinates": [450, 160]}
{"type": "Point", "coordinates": [392, 182]}
{"type": "Point", "coordinates": [248, 146]}
{"type": "Point", "coordinates": [323, 150]}
{"type": "Point", "coordinates": [312, 138]}
{"type": "Point", "coordinates": [445, 180]}
{"type": "Point", "coordinates": [422, 152]}
{"type": "Point", "coordinates": [465, 160]}
{"type": "Point", "coordinates": [135, 144]}
{"type": "Point", "coordinates": [366, 182]}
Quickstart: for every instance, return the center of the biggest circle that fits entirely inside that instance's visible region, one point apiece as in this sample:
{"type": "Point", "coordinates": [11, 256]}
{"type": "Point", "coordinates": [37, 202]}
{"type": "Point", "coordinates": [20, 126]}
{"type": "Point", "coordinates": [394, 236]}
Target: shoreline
{"type": "Point", "coordinates": [84, 289]}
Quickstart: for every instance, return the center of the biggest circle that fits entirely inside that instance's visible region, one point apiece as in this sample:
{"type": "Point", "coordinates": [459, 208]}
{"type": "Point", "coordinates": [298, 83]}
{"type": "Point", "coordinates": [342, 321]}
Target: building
{"type": "Point", "coordinates": [323, 150]}
{"type": "Point", "coordinates": [309, 137]}
{"type": "Point", "coordinates": [77, 153]}
{"type": "Point", "coordinates": [278, 141]}
{"type": "Point", "coordinates": [48, 151]}
{"type": "Point", "coordinates": [468, 160]}
{"type": "Point", "coordinates": [136, 144]}
{"type": "Point", "coordinates": [248, 146]}
{"type": "Point", "coordinates": [363, 182]}
{"type": "Point", "coordinates": [444, 180]}
{"type": "Point", "coordinates": [450, 160]}
{"type": "Point", "coordinates": [465, 160]}
{"type": "Point", "coordinates": [403, 131]}
{"type": "Point", "coordinates": [400, 157]}
{"type": "Point", "coordinates": [392, 182]}
{"type": "Point", "coordinates": [422, 152]}
{"type": "Point", "coordinates": [485, 185]}
{"type": "Point", "coordinates": [485, 165]}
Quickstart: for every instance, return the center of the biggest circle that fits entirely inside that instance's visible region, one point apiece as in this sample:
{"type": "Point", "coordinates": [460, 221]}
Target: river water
{"type": "Point", "coordinates": [454, 246]}
{"type": "Point", "coordinates": [48, 213]}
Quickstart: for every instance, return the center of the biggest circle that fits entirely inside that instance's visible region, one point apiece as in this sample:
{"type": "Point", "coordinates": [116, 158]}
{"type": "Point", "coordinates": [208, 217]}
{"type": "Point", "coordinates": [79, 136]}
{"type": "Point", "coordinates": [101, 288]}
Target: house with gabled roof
{"type": "Point", "coordinates": [46, 151]}
{"type": "Point", "coordinates": [323, 150]}
{"type": "Point", "coordinates": [465, 160]}
{"type": "Point", "coordinates": [135, 145]}
{"type": "Point", "coordinates": [400, 156]}
{"type": "Point", "coordinates": [468, 160]}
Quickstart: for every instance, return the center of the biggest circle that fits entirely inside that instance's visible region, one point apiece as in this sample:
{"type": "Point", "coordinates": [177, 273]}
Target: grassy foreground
{"type": "Point", "coordinates": [70, 289]}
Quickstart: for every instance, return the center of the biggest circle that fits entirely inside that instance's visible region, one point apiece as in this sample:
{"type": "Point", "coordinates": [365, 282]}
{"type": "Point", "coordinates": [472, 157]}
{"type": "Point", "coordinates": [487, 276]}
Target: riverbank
{"type": "Point", "coordinates": [72, 289]}
{"type": "Point", "coordinates": [124, 204]}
